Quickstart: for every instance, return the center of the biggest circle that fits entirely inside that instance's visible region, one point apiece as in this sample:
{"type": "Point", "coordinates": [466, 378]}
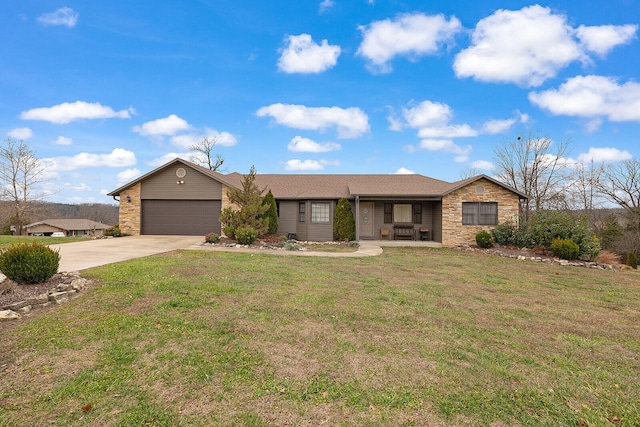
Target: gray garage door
{"type": "Point", "coordinates": [180, 217]}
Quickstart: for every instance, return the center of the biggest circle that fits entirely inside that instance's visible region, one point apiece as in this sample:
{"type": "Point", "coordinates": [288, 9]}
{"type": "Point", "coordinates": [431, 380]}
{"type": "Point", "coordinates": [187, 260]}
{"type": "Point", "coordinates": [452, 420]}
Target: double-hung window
{"type": "Point", "coordinates": [479, 213]}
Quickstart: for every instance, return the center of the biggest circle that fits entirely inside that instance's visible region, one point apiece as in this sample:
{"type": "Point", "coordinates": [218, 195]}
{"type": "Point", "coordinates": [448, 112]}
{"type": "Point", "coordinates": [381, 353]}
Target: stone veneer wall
{"type": "Point", "coordinates": [130, 212]}
{"type": "Point", "coordinates": [223, 204]}
{"type": "Point", "coordinates": [456, 234]}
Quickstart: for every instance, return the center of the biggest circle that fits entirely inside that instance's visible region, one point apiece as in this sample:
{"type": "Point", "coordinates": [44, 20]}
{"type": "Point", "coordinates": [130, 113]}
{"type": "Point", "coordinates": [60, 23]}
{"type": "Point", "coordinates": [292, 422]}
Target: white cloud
{"type": "Point", "coordinates": [302, 55]}
{"type": "Point", "coordinates": [530, 45]}
{"type": "Point", "coordinates": [493, 127]}
{"type": "Point", "coordinates": [482, 164]}
{"type": "Point", "coordinates": [592, 96]}
{"type": "Point", "coordinates": [404, 171]}
{"type": "Point", "coordinates": [20, 133]}
{"type": "Point", "coordinates": [309, 165]}
{"type": "Point", "coordinates": [411, 35]}
{"type": "Point", "coordinates": [349, 122]}
{"type": "Point", "coordinates": [159, 161]}
{"type": "Point", "coordinates": [601, 39]}
{"type": "Point", "coordinates": [68, 112]}
{"type": "Point", "coordinates": [79, 187]}
{"type": "Point", "coordinates": [64, 16]}
{"type": "Point", "coordinates": [305, 145]}
{"type": "Point", "coordinates": [62, 140]}
{"type": "Point", "coordinates": [169, 125]}
{"type": "Point", "coordinates": [127, 176]}
{"type": "Point", "coordinates": [497, 126]}
{"type": "Point", "coordinates": [449, 131]}
{"type": "Point", "coordinates": [446, 145]}
{"type": "Point", "coordinates": [326, 5]}
{"type": "Point", "coordinates": [223, 139]}
{"type": "Point", "coordinates": [606, 155]}
{"type": "Point", "coordinates": [432, 121]}
{"type": "Point", "coordinates": [119, 157]}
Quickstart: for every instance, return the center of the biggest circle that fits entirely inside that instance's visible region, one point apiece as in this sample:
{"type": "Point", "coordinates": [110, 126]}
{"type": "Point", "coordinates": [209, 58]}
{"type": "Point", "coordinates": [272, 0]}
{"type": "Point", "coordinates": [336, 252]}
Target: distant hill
{"type": "Point", "coordinates": [100, 212]}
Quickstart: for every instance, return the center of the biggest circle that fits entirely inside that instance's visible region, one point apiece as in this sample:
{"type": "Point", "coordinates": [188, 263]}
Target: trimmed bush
{"type": "Point", "coordinates": [632, 260]}
{"type": "Point", "coordinates": [344, 224]}
{"type": "Point", "coordinates": [113, 231]}
{"type": "Point", "coordinates": [565, 248]}
{"type": "Point", "coordinates": [246, 236]}
{"type": "Point", "coordinates": [484, 239]}
{"type": "Point", "coordinates": [212, 238]}
{"type": "Point", "coordinates": [229, 231]}
{"type": "Point", "coordinates": [29, 263]}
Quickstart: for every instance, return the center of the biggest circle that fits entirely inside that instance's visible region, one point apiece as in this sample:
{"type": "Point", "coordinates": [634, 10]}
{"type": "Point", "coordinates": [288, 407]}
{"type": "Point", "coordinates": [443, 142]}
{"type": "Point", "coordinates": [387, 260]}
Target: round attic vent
{"type": "Point", "coordinates": [479, 189]}
{"type": "Point", "coordinates": [181, 173]}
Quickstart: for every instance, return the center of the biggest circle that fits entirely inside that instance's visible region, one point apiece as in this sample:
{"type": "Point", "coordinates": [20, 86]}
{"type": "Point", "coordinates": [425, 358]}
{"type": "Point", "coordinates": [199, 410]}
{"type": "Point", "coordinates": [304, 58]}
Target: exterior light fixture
{"type": "Point", "coordinates": [180, 182]}
{"type": "Point", "coordinates": [129, 199]}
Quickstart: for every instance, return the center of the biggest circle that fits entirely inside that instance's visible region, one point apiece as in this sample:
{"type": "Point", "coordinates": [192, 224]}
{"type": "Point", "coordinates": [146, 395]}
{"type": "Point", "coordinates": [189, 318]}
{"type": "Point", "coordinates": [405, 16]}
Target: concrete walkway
{"type": "Point", "coordinates": [78, 256]}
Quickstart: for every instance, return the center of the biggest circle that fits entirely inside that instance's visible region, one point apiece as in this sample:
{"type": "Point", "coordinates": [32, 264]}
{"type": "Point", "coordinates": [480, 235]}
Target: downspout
{"type": "Point", "coordinates": [357, 218]}
{"type": "Point", "coordinates": [114, 198]}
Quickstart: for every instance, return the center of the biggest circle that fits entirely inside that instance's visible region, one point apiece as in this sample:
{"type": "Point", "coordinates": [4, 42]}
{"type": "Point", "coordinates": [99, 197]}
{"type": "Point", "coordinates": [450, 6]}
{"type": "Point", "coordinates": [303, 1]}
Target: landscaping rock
{"type": "Point", "coordinates": [8, 315]}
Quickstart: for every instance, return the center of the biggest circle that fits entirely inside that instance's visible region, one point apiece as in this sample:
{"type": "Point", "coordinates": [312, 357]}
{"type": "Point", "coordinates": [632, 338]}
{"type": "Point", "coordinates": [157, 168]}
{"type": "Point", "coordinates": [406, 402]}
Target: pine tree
{"type": "Point", "coordinates": [247, 210]}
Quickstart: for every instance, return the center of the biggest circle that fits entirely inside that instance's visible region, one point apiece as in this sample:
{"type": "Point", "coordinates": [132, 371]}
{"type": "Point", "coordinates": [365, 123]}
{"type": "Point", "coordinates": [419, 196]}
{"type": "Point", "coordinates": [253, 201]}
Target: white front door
{"type": "Point", "coordinates": [366, 219]}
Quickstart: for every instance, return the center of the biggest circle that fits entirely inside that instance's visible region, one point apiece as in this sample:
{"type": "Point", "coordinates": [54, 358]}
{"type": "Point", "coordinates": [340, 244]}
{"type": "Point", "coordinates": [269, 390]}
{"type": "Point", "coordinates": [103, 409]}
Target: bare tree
{"type": "Point", "coordinates": [20, 173]}
{"type": "Point", "coordinates": [533, 166]}
{"type": "Point", "coordinates": [204, 156]}
{"type": "Point", "coordinates": [620, 184]}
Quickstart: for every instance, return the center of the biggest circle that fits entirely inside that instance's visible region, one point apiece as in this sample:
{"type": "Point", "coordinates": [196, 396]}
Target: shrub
{"type": "Point", "coordinates": [608, 257]}
{"type": "Point", "coordinates": [272, 213]}
{"type": "Point", "coordinates": [292, 245]}
{"type": "Point", "coordinates": [113, 231]}
{"type": "Point", "coordinates": [565, 248]}
{"type": "Point", "coordinates": [344, 224]}
{"type": "Point", "coordinates": [212, 238]}
{"type": "Point", "coordinates": [354, 244]}
{"type": "Point", "coordinates": [229, 231]}
{"type": "Point", "coordinates": [29, 263]}
{"type": "Point", "coordinates": [246, 236]}
{"type": "Point", "coordinates": [632, 260]}
{"type": "Point", "coordinates": [508, 233]}
{"type": "Point", "coordinates": [484, 239]}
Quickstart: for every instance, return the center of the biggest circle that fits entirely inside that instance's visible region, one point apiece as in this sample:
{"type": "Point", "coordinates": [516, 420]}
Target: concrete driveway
{"type": "Point", "coordinates": [77, 256]}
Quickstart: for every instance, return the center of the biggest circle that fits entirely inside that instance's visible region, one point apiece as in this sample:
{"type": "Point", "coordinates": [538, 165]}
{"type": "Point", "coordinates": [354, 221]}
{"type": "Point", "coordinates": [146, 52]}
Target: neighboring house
{"type": "Point", "coordinates": [182, 198]}
{"type": "Point", "coordinates": [70, 227]}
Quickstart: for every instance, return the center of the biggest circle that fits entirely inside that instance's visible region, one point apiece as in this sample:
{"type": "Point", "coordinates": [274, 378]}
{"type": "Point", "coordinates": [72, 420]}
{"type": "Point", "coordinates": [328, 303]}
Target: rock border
{"type": "Point", "coordinates": [546, 260]}
{"type": "Point", "coordinates": [70, 284]}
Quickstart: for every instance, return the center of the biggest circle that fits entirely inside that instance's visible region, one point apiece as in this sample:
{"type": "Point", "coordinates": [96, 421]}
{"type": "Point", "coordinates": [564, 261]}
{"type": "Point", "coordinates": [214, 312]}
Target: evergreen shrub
{"type": "Point", "coordinates": [246, 236]}
{"type": "Point", "coordinates": [565, 248]}
{"type": "Point", "coordinates": [484, 239]}
{"type": "Point", "coordinates": [26, 263]}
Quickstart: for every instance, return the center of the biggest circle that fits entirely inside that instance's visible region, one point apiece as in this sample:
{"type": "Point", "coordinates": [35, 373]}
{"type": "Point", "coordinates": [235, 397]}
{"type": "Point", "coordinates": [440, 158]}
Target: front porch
{"type": "Point", "coordinates": [400, 243]}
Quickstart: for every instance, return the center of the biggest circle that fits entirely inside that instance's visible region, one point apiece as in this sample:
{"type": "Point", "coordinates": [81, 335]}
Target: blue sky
{"type": "Point", "coordinates": [106, 91]}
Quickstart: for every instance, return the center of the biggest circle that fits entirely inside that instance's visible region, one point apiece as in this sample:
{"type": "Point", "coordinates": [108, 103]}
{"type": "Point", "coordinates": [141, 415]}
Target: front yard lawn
{"type": "Point", "coordinates": [412, 337]}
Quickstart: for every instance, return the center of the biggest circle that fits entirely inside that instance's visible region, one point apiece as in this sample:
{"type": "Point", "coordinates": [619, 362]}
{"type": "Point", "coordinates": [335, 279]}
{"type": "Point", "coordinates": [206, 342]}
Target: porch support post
{"type": "Point", "coordinates": [357, 218]}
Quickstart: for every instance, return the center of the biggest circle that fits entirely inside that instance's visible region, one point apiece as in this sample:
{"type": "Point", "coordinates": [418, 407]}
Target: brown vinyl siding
{"type": "Point", "coordinates": [287, 221]}
{"type": "Point", "coordinates": [197, 186]}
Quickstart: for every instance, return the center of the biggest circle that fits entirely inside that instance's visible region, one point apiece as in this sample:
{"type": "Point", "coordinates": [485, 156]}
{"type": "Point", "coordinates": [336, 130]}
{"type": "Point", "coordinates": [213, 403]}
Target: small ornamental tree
{"type": "Point", "coordinates": [247, 210]}
{"type": "Point", "coordinates": [272, 213]}
{"type": "Point", "coordinates": [344, 224]}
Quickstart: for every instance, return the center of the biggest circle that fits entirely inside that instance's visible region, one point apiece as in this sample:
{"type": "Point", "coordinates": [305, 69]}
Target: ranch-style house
{"type": "Point", "coordinates": [182, 198]}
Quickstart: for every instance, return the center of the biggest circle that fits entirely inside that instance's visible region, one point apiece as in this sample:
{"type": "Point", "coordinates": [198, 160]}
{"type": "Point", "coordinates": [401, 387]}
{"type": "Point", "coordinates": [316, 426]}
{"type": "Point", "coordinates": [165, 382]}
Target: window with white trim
{"type": "Point", "coordinates": [320, 212]}
{"type": "Point", "coordinates": [479, 213]}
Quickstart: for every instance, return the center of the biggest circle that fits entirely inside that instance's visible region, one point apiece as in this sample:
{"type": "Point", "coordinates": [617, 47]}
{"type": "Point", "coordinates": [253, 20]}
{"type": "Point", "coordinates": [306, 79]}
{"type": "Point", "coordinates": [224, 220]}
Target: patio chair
{"type": "Point", "coordinates": [384, 232]}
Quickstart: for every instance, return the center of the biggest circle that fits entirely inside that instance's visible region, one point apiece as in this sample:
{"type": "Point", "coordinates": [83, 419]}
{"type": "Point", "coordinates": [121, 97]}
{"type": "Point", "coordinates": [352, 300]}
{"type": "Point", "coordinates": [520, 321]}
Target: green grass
{"type": "Point", "coordinates": [6, 241]}
{"type": "Point", "coordinates": [413, 337]}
